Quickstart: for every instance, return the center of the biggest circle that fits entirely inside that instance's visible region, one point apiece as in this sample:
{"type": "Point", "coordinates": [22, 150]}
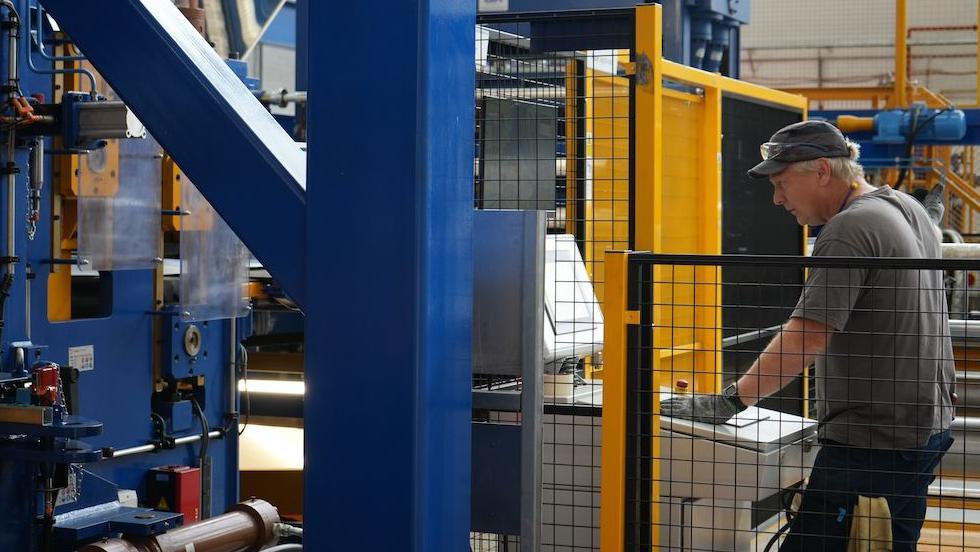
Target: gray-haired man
{"type": "Point", "coordinates": [879, 338]}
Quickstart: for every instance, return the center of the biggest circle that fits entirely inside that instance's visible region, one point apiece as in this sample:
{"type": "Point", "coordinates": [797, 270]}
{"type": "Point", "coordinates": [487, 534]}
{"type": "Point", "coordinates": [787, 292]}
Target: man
{"type": "Point", "coordinates": [879, 337]}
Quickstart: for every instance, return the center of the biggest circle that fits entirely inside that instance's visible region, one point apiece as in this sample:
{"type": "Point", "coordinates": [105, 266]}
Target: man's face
{"type": "Point", "coordinates": [798, 192]}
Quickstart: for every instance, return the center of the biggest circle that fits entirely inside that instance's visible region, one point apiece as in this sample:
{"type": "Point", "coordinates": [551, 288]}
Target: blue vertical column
{"type": "Point", "coordinates": [388, 315]}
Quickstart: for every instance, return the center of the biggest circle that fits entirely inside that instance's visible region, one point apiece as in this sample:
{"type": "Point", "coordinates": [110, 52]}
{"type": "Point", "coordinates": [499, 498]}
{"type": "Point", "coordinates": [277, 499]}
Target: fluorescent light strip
{"type": "Point", "coordinates": [272, 387]}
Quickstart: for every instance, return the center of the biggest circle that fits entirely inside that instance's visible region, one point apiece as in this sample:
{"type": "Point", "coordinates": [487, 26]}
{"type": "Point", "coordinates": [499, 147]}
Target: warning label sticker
{"type": "Point", "coordinates": [82, 358]}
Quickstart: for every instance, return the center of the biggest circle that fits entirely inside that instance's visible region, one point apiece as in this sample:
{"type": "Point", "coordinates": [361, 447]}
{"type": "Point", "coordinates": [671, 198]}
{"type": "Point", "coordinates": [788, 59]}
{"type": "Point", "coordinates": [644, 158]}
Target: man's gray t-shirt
{"type": "Point", "coordinates": [885, 379]}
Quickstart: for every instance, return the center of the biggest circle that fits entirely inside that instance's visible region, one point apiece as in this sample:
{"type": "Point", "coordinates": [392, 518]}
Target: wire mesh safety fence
{"type": "Point", "coordinates": [877, 398]}
{"type": "Point", "coordinates": [553, 114]}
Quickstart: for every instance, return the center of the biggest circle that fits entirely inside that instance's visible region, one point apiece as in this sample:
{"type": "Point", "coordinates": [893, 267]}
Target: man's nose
{"type": "Point", "coordinates": [778, 198]}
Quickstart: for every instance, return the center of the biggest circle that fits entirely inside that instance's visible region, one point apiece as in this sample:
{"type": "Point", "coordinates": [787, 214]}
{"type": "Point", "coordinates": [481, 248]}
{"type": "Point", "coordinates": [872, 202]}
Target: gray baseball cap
{"type": "Point", "coordinates": [800, 142]}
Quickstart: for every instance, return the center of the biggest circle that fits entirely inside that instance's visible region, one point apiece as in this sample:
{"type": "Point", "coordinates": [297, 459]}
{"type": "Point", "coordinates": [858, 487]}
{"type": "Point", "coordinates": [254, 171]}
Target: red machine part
{"type": "Point", "coordinates": [45, 383]}
{"type": "Point", "coordinates": [247, 527]}
{"type": "Point", "coordinates": [176, 489]}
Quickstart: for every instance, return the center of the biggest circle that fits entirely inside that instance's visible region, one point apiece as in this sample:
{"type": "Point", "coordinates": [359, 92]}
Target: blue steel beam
{"type": "Point", "coordinates": [233, 150]}
{"type": "Point", "coordinates": [388, 372]}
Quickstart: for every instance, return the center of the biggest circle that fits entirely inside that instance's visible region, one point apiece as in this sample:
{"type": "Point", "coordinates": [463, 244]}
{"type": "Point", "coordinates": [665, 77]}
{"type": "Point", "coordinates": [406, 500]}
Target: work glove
{"type": "Point", "coordinates": [933, 204]}
{"type": "Point", "coordinates": [709, 409]}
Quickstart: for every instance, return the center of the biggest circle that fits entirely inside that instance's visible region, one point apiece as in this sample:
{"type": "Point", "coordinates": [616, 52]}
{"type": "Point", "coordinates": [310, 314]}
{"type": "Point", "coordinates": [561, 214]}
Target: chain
{"type": "Point", "coordinates": [62, 409]}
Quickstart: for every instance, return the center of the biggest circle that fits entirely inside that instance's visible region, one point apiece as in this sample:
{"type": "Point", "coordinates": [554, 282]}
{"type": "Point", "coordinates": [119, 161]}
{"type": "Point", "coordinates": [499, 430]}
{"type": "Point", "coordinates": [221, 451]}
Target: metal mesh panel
{"type": "Point", "coordinates": [874, 417]}
{"type": "Point", "coordinates": [553, 113]}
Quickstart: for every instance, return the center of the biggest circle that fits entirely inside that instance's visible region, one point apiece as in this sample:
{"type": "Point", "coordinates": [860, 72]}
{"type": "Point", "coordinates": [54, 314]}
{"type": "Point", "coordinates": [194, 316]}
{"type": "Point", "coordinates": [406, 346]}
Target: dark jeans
{"type": "Point", "coordinates": [841, 473]}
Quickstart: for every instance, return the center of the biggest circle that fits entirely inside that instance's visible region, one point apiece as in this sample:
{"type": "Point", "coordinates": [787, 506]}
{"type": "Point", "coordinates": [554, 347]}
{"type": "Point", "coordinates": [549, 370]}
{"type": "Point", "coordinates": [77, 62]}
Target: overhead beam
{"type": "Point", "coordinates": [229, 146]}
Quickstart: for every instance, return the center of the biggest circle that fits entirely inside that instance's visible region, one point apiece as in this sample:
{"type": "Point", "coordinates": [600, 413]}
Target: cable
{"type": "Point", "coordinates": [786, 500]}
{"type": "Point", "coordinates": [5, 284]}
{"type": "Point", "coordinates": [202, 460]}
{"type": "Point", "coordinates": [910, 143]}
{"type": "Point", "coordinates": [287, 530]}
{"type": "Point", "coordinates": [205, 438]}
{"type": "Point", "coordinates": [248, 400]}
{"type": "Point", "coordinates": [161, 425]}
{"type": "Point", "coordinates": [284, 548]}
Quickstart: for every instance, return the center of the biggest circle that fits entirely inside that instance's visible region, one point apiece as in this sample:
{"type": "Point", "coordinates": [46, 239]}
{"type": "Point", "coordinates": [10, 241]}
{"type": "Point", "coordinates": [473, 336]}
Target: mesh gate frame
{"type": "Point", "coordinates": [631, 416]}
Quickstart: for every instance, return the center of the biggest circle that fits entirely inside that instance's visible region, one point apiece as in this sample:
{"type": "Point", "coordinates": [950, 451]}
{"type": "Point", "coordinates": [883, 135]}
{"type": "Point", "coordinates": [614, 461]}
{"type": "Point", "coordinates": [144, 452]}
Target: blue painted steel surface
{"type": "Point", "coordinates": [73, 428]}
{"type": "Point", "coordinates": [239, 157]}
{"type": "Point", "coordinates": [282, 30]}
{"type": "Point", "coordinates": [388, 327]}
{"type": "Point", "coordinates": [176, 361]}
{"type": "Point", "coordinates": [135, 522]}
{"type": "Point", "coordinates": [178, 416]}
{"type": "Point", "coordinates": [118, 390]}
{"type": "Point", "coordinates": [537, 6]}
{"type": "Point", "coordinates": [240, 68]}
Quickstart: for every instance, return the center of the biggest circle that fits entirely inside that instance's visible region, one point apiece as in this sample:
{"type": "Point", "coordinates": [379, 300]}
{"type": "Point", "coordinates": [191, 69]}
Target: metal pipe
{"type": "Point", "coordinates": [13, 83]}
{"type": "Point", "coordinates": [901, 53]}
{"type": "Point", "coordinates": [36, 185]}
{"type": "Point", "coordinates": [109, 452]}
{"type": "Point", "coordinates": [247, 527]}
{"type": "Point", "coordinates": [529, 93]}
{"type": "Point", "coordinates": [77, 70]}
{"type": "Point", "coordinates": [940, 28]}
{"type": "Point", "coordinates": [749, 337]}
{"type": "Point", "coordinates": [11, 249]}
{"type": "Point", "coordinates": [961, 250]}
{"type": "Point", "coordinates": [945, 41]}
{"type": "Point", "coordinates": [195, 438]}
{"type": "Point", "coordinates": [965, 423]}
{"type": "Point", "coordinates": [283, 98]}
{"type": "Point", "coordinates": [13, 35]}
{"type": "Point", "coordinates": [232, 370]}
{"type": "Point", "coordinates": [39, 39]}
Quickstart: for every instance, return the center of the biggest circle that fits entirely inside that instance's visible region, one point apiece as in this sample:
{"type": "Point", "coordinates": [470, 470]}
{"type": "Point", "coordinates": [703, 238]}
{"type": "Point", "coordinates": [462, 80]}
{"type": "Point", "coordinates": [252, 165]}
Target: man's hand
{"type": "Point", "coordinates": [709, 409]}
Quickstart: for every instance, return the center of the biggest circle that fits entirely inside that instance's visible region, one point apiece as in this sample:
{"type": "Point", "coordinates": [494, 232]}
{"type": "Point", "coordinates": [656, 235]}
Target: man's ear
{"type": "Point", "coordinates": [823, 173]}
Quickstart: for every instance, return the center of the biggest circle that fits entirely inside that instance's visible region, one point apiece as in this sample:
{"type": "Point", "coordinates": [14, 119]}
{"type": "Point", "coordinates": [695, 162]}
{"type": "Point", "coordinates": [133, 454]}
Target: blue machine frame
{"type": "Point", "coordinates": [388, 425]}
{"type": "Point", "coordinates": [118, 390]}
{"type": "Point", "coordinates": [697, 33]}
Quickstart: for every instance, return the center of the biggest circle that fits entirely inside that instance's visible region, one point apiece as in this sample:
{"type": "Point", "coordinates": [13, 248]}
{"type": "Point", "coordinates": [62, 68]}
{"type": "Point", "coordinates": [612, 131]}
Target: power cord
{"type": "Point", "coordinates": [206, 430]}
{"type": "Point", "coordinates": [786, 501]}
{"type": "Point", "coordinates": [910, 143]}
{"type": "Point", "coordinates": [248, 401]}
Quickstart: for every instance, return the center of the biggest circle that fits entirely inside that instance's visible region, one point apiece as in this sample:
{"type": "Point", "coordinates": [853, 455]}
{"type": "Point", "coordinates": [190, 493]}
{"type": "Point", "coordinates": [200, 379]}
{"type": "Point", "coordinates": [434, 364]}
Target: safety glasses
{"type": "Point", "coordinates": [772, 149]}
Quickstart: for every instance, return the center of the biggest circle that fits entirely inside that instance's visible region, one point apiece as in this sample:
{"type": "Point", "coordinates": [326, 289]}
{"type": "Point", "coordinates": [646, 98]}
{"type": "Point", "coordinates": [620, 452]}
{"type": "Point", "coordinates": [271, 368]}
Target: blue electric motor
{"type": "Point", "coordinates": [927, 124]}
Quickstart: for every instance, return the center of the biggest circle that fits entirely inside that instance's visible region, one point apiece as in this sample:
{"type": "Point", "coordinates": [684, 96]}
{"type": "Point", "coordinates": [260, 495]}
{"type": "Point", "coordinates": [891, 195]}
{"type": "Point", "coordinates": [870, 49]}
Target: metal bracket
{"type": "Point", "coordinates": [642, 69]}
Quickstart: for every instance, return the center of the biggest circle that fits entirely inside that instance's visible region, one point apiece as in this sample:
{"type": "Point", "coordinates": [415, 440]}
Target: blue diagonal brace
{"type": "Point", "coordinates": [243, 162]}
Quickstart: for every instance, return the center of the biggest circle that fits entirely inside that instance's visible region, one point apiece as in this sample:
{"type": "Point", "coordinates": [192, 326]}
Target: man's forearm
{"type": "Point", "coordinates": [796, 346]}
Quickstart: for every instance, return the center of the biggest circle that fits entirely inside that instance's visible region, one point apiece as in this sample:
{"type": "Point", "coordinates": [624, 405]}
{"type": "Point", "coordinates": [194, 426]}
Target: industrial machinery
{"type": "Point", "coordinates": [123, 303]}
{"type": "Point", "coordinates": [644, 150]}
